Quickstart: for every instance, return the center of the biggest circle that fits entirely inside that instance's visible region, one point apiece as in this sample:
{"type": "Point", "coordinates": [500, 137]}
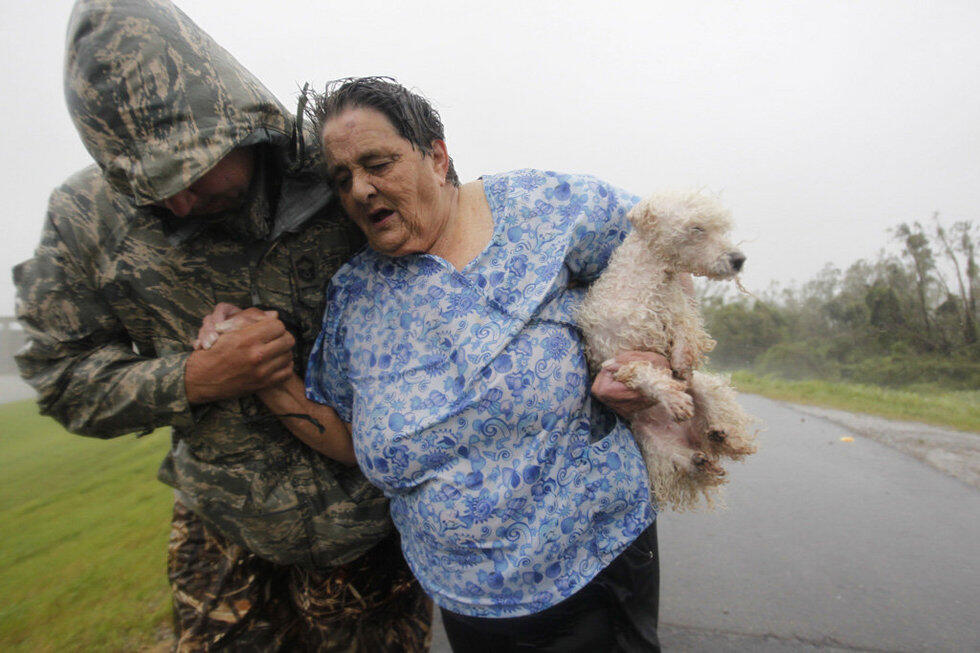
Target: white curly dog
{"type": "Point", "coordinates": [639, 304]}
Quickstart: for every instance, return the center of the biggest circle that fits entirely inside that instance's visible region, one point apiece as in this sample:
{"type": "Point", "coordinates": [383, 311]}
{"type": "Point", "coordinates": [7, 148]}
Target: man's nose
{"type": "Point", "coordinates": [180, 204]}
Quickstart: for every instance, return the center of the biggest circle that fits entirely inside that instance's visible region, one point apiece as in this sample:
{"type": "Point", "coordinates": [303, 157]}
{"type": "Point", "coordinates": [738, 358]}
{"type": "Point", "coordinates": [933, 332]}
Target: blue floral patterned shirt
{"type": "Point", "coordinates": [468, 394]}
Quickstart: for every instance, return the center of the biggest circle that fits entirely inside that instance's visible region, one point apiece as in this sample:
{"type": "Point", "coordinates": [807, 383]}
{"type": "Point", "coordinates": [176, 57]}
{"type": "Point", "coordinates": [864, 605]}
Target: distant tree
{"type": "Point", "coordinates": [960, 236]}
{"type": "Point", "coordinates": [846, 314]}
{"type": "Point", "coordinates": [917, 248]}
{"type": "Point", "coordinates": [968, 237]}
{"type": "Point", "coordinates": [885, 314]}
{"type": "Point", "coordinates": [908, 316]}
{"type": "Point", "coordinates": [743, 332]}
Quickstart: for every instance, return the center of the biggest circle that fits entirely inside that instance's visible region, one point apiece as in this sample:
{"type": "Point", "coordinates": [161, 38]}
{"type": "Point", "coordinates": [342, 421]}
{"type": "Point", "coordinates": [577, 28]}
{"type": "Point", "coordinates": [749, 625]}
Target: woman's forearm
{"type": "Point", "coordinates": [318, 426]}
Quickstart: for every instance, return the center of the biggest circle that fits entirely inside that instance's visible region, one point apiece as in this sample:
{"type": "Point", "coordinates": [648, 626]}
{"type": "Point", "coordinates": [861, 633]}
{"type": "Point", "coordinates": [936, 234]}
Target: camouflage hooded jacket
{"type": "Point", "coordinates": [116, 291]}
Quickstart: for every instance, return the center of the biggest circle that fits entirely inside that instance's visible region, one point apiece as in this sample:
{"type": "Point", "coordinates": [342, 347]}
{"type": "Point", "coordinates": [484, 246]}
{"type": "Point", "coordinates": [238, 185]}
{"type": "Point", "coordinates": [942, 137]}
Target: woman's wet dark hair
{"type": "Point", "coordinates": [412, 116]}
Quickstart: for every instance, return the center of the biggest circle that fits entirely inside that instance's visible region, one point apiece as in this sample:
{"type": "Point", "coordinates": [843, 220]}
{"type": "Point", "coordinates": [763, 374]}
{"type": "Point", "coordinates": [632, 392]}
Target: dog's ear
{"type": "Point", "coordinates": [644, 215]}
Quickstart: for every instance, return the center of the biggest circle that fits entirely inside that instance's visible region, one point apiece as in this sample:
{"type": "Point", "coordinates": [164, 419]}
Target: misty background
{"type": "Point", "coordinates": [822, 124]}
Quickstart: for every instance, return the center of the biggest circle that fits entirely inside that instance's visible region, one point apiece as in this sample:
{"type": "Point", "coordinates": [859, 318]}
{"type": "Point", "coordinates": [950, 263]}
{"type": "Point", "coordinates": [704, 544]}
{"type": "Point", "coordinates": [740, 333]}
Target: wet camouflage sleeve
{"type": "Point", "coordinates": [78, 358]}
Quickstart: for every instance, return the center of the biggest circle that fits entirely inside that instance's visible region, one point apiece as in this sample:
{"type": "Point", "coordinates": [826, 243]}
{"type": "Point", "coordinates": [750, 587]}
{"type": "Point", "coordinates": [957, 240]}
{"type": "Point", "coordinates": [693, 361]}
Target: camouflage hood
{"type": "Point", "coordinates": [156, 101]}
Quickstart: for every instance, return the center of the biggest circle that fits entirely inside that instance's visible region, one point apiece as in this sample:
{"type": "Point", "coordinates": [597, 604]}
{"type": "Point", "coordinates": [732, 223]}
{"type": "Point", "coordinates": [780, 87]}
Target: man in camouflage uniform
{"type": "Point", "coordinates": [204, 193]}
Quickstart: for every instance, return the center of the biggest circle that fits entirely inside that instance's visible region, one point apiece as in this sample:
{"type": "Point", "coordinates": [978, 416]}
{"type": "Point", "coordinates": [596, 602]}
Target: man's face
{"type": "Point", "coordinates": [391, 190]}
{"type": "Point", "coordinates": [222, 188]}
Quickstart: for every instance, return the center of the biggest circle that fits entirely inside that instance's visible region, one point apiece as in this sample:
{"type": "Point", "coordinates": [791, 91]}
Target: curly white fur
{"type": "Point", "coordinates": [639, 304]}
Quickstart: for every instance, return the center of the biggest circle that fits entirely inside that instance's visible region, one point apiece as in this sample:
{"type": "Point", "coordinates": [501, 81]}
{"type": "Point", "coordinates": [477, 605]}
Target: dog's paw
{"type": "Point", "coordinates": [682, 363]}
{"type": "Point", "coordinates": [627, 373]}
{"type": "Point", "coordinates": [732, 446]}
{"type": "Point", "coordinates": [697, 465]}
{"type": "Point", "coordinates": [703, 464]}
{"type": "Point", "coordinates": [679, 404]}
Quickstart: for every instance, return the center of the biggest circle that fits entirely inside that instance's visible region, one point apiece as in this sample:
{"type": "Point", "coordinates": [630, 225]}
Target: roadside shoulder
{"type": "Point", "coordinates": [956, 453]}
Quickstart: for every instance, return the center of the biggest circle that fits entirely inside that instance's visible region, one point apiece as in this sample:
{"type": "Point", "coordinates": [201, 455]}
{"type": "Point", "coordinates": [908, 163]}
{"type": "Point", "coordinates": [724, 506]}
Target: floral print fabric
{"type": "Point", "coordinates": [468, 394]}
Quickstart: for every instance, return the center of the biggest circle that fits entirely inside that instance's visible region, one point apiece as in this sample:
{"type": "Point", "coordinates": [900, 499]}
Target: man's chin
{"type": "Point", "coordinates": [221, 207]}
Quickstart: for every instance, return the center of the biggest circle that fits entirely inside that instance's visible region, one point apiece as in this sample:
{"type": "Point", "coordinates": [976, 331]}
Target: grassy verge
{"type": "Point", "coordinates": [932, 405]}
{"type": "Point", "coordinates": [84, 524]}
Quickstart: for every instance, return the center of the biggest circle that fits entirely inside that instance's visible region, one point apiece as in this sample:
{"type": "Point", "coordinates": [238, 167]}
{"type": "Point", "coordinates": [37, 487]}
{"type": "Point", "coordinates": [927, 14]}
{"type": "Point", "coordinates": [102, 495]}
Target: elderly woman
{"type": "Point", "coordinates": [450, 366]}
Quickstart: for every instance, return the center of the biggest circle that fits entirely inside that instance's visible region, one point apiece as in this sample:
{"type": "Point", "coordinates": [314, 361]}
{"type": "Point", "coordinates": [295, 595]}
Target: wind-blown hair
{"type": "Point", "coordinates": [412, 116]}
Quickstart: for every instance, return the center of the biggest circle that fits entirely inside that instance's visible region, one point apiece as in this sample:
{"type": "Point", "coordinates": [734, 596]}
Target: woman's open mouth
{"type": "Point", "coordinates": [380, 215]}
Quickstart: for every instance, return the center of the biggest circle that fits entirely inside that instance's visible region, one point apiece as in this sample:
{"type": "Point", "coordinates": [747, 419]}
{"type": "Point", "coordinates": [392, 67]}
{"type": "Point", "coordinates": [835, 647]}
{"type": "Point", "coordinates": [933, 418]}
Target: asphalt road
{"type": "Point", "coordinates": [825, 545]}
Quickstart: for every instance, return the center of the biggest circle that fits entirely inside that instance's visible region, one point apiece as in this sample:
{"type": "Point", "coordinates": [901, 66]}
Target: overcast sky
{"type": "Point", "coordinates": [822, 123]}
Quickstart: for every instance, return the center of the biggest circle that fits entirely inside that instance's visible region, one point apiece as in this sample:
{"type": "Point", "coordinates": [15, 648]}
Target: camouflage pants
{"type": "Point", "coordinates": [227, 598]}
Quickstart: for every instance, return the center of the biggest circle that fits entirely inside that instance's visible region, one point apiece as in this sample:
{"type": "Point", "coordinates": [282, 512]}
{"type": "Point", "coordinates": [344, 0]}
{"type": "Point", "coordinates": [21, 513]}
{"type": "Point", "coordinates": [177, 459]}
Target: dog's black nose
{"type": "Point", "coordinates": [736, 259]}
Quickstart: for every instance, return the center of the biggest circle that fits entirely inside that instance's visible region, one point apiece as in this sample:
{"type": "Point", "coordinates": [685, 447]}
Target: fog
{"type": "Point", "coordinates": [822, 124]}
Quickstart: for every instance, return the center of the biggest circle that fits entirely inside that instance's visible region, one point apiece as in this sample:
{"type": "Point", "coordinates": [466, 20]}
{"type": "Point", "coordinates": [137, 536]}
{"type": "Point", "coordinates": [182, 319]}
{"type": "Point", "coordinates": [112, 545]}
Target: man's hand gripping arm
{"type": "Point", "coordinates": [277, 385]}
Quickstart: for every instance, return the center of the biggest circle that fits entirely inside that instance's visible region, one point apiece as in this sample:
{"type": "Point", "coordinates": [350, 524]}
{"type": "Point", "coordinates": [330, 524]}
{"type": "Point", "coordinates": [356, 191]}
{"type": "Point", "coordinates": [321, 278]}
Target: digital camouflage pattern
{"type": "Point", "coordinates": [115, 292]}
{"type": "Point", "coordinates": [156, 101]}
{"type": "Point", "coordinates": [226, 597]}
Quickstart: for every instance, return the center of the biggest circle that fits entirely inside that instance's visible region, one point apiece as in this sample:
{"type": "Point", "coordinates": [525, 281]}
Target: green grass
{"type": "Point", "coordinates": [929, 404]}
{"type": "Point", "coordinates": [83, 531]}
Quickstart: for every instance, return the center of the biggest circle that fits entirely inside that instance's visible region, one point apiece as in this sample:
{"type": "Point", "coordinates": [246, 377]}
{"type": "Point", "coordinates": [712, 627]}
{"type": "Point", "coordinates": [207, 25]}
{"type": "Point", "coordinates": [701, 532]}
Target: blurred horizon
{"type": "Point", "coordinates": [821, 124]}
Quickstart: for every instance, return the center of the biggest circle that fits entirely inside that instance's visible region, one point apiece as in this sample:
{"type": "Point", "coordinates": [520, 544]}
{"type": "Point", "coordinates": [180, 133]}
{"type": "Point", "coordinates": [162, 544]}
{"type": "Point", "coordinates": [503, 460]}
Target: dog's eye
{"type": "Point", "coordinates": [697, 229]}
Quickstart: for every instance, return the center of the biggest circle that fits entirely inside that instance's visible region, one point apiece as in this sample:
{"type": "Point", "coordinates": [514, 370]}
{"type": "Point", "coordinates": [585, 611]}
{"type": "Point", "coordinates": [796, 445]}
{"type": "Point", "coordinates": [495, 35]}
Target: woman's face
{"type": "Point", "coordinates": [392, 191]}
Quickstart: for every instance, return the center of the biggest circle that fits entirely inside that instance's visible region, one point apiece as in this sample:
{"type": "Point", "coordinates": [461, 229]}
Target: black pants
{"type": "Point", "coordinates": [616, 611]}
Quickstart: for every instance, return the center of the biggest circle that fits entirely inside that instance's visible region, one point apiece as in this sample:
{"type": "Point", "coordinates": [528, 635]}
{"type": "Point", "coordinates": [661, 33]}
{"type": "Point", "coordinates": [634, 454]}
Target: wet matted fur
{"type": "Point", "coordinates": [639, 304]}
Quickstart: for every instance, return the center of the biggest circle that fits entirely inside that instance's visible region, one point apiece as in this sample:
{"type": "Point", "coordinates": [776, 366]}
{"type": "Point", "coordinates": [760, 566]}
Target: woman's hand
{"type": "Point", "coordinates": [256, 354]}
{"type": "Point", "coordinates": [207, 335]}
{"type": "Point", "coordinates": [621, 399]}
